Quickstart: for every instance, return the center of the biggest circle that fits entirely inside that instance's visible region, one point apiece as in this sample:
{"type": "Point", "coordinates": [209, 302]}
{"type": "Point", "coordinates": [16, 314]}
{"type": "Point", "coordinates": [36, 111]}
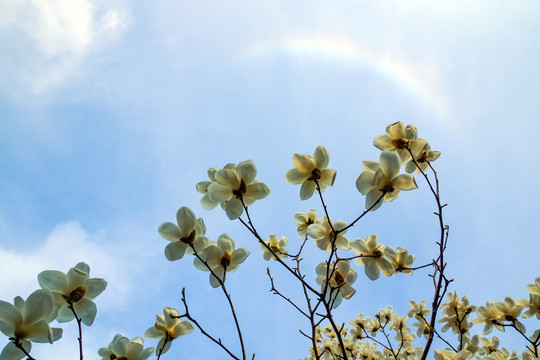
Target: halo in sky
{"type": "Point", "coordinates": [421, 83]}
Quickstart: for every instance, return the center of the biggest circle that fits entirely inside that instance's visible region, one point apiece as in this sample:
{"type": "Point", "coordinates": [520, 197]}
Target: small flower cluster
{"type": "Point", "coordinates": [63, 297]}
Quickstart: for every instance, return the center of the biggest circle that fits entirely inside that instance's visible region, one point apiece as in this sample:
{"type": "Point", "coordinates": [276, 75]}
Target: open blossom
{"type": "Point", "coordinates": [202, 188]}
{"type": "Point", "coordinates": [373, 257]}
{"type": "Point", "coordinates": [383, 180]}
{"type": "Point", "coordinates": [325, 238]}
{"type": "Point", "coordinates": [221, 258]}
{"type": "Point", "coordinates": [400, 259]}
{"type": "Point", "coordinates": [277, 246]}
{"type": "Point", "coordinates": [189, 231]}
{"type": "Point", "coordinates": [341, 278]}
{"type": "Point", "coordinates": [309, 169]}
{"type": "Point", "coordinates": [74, 289]}
{"type": "Point", "coordinates": [304, 220]}
{"type": "Point", "coordinates": [168, 327]}
{"type": "Point", "coordinates": [27, 321]}
{"type": "Point", "coordinates": [236, 185]}
{"type": "Point", "coordinates": [400, 138]}
{"type": "Point", "coordinates": [422, 159]}
{"type": "Point", "coordinates": [121, 348]}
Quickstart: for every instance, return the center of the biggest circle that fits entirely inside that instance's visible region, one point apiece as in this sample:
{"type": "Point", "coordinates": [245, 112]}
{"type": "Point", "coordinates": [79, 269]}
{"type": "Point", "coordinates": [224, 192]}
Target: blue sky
{"type": "Point", "coordinates": [112, 111]}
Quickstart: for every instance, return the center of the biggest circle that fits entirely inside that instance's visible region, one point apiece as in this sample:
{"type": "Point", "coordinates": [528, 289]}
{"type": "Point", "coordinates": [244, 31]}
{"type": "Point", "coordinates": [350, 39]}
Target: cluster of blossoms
{"type": "Point", "coordinates": [63, 297]}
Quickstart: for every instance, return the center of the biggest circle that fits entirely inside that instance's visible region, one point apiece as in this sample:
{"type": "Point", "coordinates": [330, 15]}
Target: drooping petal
{"type": "Point", "coordinates": [161, 345]}
{"type": "Point", "coordinates": [175, 250]}
{"type": "Point", "coordinates": [11, 352]}
{"type": "Point", "coordinates": [307, 189]}
{"type": "Point", "coordinates": [64, 314]}
{"type": "Point", "coordinates": [383, 142]}
{"type": "Point", "coordinates": [364, 182]}
{"type": "Point", "coordinates": [86, 310]}
{"type": "Point", "coordinates": [94, 287]}
{"type": "Point", "coordinates": [214, 282]}
{"type": "Point", "coordinates": [39, 332]}
{"type": "Point", "coordinates": [321, 157]}
{"type": "Point", "coordinates": [234, 208]}
{"type": "Point", "coordinates": [239, 255]}
{"type": "Point", "coordinates": [207, 203]}
{"type": "Point", "coordinates": [246, 170]}
{"type": "Point", "coordinates": [10, 314]}
{"type": "Point", "coordinates": [372, 269]}
{"type": "Point", "coordinates": [53, 280]}
{"type": "Point", "coordinates": [391, 196]}
{"type": "Point", "coordinates": [404, 182]}
{"type": "Point", "coordinates": [304, 163]}
{"type": "Point", "coordinates": [186, 220]}
{"type": "Point", "coordinates": [169, 231]}
{"type": "Point", "coordinates": [390, 163]}
{"type": "Point", "coordinates": [371, 198]}
{"type": "Point", "coordinates": [296, 176]}
{"type": "Point", "coordinates": [328, 176]}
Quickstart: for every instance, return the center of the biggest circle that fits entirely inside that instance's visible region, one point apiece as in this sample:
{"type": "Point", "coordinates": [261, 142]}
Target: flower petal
{"type": "Point", "coordinates": [404, 182]}
{"type": "Point", "coordinates": [94, 287]}
{"type": "Point", "coordinates": [257, 190]}
{"type": "Point", "coordinates": [38, 306]}
{"type": "Point", "coordinates": [228, 178]}
{"type": "Point", "coordinates": [53, 280]}
{"type": "Point", "coordinates": [219, 193]}
{"type": "Point", "coordinates": [296, 176]}
{"type": "Point", "coordinates": [383, 142]}
{"type": "Point", "coordinates": [371, 198]}
{"type": "Point", "coordinates": [246, 170]}
{"type": "Point", "coordinates": [86, 310]}
{"type": "Point", "coordinates": [234, 208]}
{"type": "Point", "coordinates": [169, 231]}
{"type": "Point", "coordinates": [390, 163]}
{"type": "Point", "coordinates": [307, 189]}
{"type": "Point", "coordinates": [175, 250]}
{"type": "Point", "coordinates": [239, 255]}
{"type": "Point", "coordinates": [186, 220]}
{"type": "Point", "coordinates": [321, 157]}
{"type": "Point", "coordinates": [328, 176]}
{"type": "Point", "coordinates": [304, 163]}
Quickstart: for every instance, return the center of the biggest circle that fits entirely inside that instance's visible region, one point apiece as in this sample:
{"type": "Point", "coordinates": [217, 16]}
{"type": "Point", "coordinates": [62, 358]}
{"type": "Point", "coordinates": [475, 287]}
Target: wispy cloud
{"type": "Point", "coordinates": [51, 39]}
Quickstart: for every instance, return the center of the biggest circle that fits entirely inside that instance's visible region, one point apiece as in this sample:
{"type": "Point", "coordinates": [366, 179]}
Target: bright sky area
{"type": "Point", "coordinates": [112, 111]}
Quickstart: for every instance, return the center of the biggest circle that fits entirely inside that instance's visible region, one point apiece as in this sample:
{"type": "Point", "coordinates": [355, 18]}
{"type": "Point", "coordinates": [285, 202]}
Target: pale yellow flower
{"type": "Point", "coordinates": [309, 169]}
{"type": "Point", "coordinates": [168, 327]}
{"type": "Point", "coordinates": [121, 348]}
{"type": "Point", "coordinates": [323, 234]}
{"type": "Point", "coordinates": [75, 289]}
{"type": "Point", "coordinates": [400, 138]}
{"type": "Point", "coordinates": [383, 180]}
{"type": "Point", "coordinates": [400, 259]}
{"type": "Point", "coordinates": [27, 321]}
{"type": "Point", "coordinates": [451, 355]}
{"type": "Point", "coordinates": [304, 220]}
{"type": "Point", "coordinates": [221, 258]}
{"type": "Point", "coordinates": [422, 159]}
{"type": "Point", "coordinates": [202, 188]}
{"type": "Point", "coordinates": [232, 186]}
{"type": "Point", "coordinates": [277, 246]}
{"type": "Point", "coordinates": [341, 278]}
{"type": "Point", "coordinates": [373, 257]}
{"type": "Point", "coordinates": [189, 231]}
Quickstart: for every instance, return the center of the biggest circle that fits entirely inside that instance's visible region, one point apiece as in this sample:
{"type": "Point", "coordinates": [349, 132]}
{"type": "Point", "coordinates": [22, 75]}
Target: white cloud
{"type": "Point", "coordinates": [51, 39]}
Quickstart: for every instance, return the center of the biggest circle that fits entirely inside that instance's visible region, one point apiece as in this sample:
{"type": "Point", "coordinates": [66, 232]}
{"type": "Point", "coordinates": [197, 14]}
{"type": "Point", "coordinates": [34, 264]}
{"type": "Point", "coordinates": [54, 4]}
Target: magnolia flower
{"type": "Point", "coordinates": [168, 327]}
{"type": "Point", "coordinates": [532, 305]}
{"type": "Point", "coordinates": [341, 278]}
{"type": "Point", "coordinates": [323, 234]}
{"type": "Point", "coordinates": [74, 289]}
{"type": "Point", "coordinates": [451, 355]}
{"type": "Point", "coordinates": [236, 187]}
{"type": "Point", "coordinates": [220, 258]}
{"type": "Point", "coordinates": [422, 159]}
{"type": "Point", "coordinates": [189, 232]}
{"type": "Point", "coordinates": [27, 321]}
{"type": "Point", "coordinates": [383, 180]}
{"type": "Point", "coordinates": [121, 348]}
{"type": "Point", "coordinates": [534, 288]}
{"type": "Point", "coordinates": [309, 169]}
{"type": "Point", "coordinates": [277, 246]}
{"type": "Point", "coordinates": [202, 188]}
{"type": "Point", "coordinates": [490, 316]}
{"type": "Point", "coordinates": [400, 259]}
{"type": "Point", "coordinates": [372, 257]}
{"type": "Point", "coordinates": [304, 220]}
{"type": "Point", "coordinates": [400, 138]}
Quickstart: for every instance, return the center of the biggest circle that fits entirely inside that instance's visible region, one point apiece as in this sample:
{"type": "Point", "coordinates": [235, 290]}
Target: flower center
{"type": "Point", "coordinates": [189, 239]}
{"type": "Point", "coordinates": [241, 190]}
{"type": "Point", "coordinates": [387, 188]}
{"type": "Point", "coordinates": [315, 174]}
{"type": "Point", "coordinates": [339, 278]}
{"type": "Point", "coordinates": [76, 294]}
{"type": "Point", "coordinates": [225, 260]}
{"type": "Point", "coordinates": [400, 143]}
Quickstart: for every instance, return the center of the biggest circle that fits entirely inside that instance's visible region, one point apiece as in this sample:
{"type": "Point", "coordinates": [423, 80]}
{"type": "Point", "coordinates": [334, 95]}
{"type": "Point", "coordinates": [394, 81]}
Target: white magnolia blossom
{"type": "Point", "coordinates": [326, 238]}
{"type": "Point", "coordinates": [309, 169]}
{"type": "Point", "coordinates": [74, 289]}
{"type": "Point", "coordinates": [189, 232]}
{"type": "Point", "coordinates": [123, 348]}
{"type": "Point", "coordinates": [234, 186]}
{"type": "Point", "coordinates": [340, 276]}
{"type": "Point", "coordinates": [373, 259]}
{"type": "Point", "coordinates": [27, 321]}
{"type": "Point", "coordinates": [400, 138]}
{"type": "Point", "coordinates": [277, 246]}
{"type": "Point", "coordinates": [168, 327]}
{"type": "Point", "coordinates": [383, 180]}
